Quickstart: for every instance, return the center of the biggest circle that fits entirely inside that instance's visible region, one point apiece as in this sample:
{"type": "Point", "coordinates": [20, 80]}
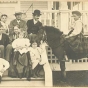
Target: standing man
{"type": "Point", "coordinates": [16, 26]}
{"type": "Point", "coordinates": [33, 25]}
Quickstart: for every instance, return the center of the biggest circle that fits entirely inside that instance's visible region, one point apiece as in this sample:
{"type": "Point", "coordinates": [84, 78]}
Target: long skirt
{"type": "Point", "coordinates": [77, 47]}
{"type": "Point", "coordinates": [21, 65]}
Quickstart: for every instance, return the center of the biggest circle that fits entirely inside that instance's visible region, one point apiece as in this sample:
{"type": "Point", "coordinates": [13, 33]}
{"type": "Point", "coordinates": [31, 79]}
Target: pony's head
{"type": "Point", "coordinates": [50, 34]}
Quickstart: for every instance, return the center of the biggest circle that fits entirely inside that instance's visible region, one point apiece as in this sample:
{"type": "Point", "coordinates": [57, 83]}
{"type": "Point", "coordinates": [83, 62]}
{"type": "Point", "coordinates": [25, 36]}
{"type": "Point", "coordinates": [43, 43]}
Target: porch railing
{"type": "Point", "coordinates": [53, 18]}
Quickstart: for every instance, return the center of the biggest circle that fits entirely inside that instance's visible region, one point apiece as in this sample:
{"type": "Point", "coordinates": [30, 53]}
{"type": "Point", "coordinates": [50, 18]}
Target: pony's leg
{"type": "Point", "coordinates": [63, 72]}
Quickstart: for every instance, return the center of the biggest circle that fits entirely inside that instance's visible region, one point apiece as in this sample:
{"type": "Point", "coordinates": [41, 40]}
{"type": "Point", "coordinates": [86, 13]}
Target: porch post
{"type": "Point", "coordinates": [46, 67]}
{"type": "Point", "coordinates": [63, 17]}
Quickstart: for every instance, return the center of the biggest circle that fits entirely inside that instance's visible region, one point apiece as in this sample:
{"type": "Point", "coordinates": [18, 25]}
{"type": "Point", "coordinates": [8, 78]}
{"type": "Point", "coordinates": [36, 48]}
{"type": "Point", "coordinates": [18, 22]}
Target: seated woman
{"type": "Point", "coordinates": [35, 53]}
{"type": "Point", "coordinates": [21, 59]}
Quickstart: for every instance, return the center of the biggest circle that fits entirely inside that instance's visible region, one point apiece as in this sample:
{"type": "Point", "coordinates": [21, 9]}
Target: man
{"type": "Point", "coordinates": [16, 26]}
{"type": "Point", "coordinates": [4, 65]}
{"type": "Point", "coordinates": [5, 47]}
{"type": "Point", "coordinates": [33, 28]}
{"type": "Point", "coordinates": [33, 25]}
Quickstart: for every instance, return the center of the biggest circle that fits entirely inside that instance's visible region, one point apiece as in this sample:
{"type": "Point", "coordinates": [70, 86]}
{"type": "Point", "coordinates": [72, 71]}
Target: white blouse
{"type": "Point", "coordinates": [77, 25]}
{"type": "Point", "coordinates": [21, 42]}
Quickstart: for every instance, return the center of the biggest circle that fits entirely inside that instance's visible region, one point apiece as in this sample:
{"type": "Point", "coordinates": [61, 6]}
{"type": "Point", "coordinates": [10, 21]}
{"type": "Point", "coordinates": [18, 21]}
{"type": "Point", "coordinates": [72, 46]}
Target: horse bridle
{"type": "Point", "coordinates": [44, 36]}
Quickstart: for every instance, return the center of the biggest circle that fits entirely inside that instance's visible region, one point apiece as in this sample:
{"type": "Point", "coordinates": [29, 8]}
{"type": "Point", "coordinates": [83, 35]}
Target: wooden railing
{"type": "Point", "coordinates": [53, 18]}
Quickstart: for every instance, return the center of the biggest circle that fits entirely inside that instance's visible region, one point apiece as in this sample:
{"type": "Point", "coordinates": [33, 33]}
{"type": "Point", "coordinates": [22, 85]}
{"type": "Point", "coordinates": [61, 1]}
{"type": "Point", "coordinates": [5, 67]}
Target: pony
{"type": "Point", "coordinates": [59, 45]}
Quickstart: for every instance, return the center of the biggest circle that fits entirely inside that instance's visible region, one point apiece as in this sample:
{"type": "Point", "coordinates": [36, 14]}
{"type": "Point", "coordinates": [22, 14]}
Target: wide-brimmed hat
{"type": "Point", "coordinates": [76, 12]}
{"type": "Point", "coordinates": [18, 13]}
{"type": "Point", "coordinates": [37, 12]}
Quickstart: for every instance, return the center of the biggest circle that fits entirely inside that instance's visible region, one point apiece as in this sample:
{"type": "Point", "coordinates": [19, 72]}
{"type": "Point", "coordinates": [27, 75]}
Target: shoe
{"type": "Point", "coordinates": [28, 79]}
{"type": "Point", "coordinates": [0, 79]}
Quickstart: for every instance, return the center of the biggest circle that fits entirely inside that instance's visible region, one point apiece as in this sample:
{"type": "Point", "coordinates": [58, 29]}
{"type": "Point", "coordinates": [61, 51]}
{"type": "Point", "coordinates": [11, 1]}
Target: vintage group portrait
{"type": "Point", "coordinates": [43, 43]}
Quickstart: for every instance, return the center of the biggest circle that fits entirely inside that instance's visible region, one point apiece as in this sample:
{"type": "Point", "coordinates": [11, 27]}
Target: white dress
{"type": "Point", "coordinates": [35, 56]}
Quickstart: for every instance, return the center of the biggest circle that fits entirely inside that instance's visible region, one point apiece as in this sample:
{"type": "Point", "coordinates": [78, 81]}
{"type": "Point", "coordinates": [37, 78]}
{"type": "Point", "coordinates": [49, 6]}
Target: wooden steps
{"type": "Point", "coordinates": [22, 79]}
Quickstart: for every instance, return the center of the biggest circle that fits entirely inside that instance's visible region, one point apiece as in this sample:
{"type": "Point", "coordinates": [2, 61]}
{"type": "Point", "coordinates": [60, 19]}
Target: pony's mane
{"type": "Point", "coordinates": [53, 35]}
{"type": "Point", "coordinates": [52, 31]}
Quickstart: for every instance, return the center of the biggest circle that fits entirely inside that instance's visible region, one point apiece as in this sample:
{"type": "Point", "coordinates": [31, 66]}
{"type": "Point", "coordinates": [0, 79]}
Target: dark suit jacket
{"type": "Point", "coordinates": [33, 28]}
{"type": "Point", "coordinates": [5, 40]}
{"type": "Point", "coordinates": [22, 25]}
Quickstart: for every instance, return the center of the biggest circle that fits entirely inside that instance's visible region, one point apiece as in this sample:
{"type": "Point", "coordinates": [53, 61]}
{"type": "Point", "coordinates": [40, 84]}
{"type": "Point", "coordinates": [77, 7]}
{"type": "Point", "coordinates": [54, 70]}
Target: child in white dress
{"type": "Point", "coordinates": [35, 53]}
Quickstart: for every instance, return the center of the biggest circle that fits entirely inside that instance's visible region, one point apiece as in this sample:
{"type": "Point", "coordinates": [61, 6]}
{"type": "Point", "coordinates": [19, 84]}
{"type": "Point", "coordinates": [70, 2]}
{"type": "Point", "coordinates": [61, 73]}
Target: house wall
{"type": "Point", "coordinates": [25, 5]}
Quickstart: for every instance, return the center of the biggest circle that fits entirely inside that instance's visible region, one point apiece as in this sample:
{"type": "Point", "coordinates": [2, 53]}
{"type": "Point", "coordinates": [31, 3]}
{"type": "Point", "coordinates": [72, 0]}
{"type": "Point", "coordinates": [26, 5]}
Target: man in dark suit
{"type": "Point", "coordinates": [17, 25]}
{"type": "Point", "coordinates": [34, 25]}
{"type": "Point", "coordinates": [5, 47]}
{"type": "Point", "coordinates": [33, 28]}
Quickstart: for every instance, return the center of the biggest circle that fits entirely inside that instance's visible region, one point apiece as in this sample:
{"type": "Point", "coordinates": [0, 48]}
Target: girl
{"type": "Point", "coordinates": [35, 53]}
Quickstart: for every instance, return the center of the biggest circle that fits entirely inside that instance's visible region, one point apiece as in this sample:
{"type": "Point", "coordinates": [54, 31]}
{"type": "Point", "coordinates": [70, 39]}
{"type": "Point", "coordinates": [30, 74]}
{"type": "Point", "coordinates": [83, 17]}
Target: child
{"type": "Point", "coordinates": [3, 22]}
{"type": "Point", "coordinates": [35, 53]}
{"type": "Point", "coordinates": [4, 65]}
{"type": "Point", "coordinates": [21, 58]}
{"type": "Point", "coordinates": [77, 24]}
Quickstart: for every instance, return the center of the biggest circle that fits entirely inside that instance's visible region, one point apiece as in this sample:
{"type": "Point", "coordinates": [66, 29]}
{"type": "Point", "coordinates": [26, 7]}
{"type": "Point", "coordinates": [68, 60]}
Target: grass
{"type": "Point", "coordinates": [74, 79]}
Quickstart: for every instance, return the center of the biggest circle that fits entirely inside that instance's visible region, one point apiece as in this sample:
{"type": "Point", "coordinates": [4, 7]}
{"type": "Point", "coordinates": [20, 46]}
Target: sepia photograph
{"type": "Point", "coordinates": [43, 43]}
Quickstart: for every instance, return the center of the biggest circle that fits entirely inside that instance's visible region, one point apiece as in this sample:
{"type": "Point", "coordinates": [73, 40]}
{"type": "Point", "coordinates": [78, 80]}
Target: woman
{"type": "Point", "coordinates": [21, 60]}
{"type": "Point", "coordinates": [76, 25]}
{"type": "Point", "coordinates": [75, 46]}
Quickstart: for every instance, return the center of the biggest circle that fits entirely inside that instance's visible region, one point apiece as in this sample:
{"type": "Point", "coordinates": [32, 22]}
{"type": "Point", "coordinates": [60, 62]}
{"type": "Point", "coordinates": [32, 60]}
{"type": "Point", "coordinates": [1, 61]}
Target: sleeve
{"type": "Point", "coordinates": [24, 28]}
{"type": "Point", "coordinates": [28, 26]}
{"type": "Point", "coordinates": [5, 64]}
{"type": "Point", "coordinates": [27, 42]}
{"type": "Point", "coordinates": [11, 28]}
{"type": "Point", "coordinates": [14, 43]}
{"type": "Point", "coordinates": [78, 27]}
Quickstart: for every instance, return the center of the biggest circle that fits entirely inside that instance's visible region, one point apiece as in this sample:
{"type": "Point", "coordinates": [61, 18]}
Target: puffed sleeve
{"type": "Point", "coordinates": [14, 43]}
{"type": "Point", "coordinates": [78, 26]}
{"type": "Point", "coordinates": [27, 42]}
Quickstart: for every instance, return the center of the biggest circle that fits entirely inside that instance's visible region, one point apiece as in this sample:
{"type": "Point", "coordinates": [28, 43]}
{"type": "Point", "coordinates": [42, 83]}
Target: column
{"type": "Point", "coordinates": [64, 18]}
{"type": "Point", "coordinates": [85, 16]}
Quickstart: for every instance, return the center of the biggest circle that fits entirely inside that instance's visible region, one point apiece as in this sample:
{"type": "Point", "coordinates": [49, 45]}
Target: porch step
{"type": "Point", "coordinates": [22, 79]}
{"type": "Point", "coordinates": [21, 84]}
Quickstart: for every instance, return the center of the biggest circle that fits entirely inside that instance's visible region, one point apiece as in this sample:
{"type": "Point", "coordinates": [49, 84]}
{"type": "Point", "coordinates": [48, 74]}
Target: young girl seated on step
{"type": "Point", "coordinates": [35, 53]}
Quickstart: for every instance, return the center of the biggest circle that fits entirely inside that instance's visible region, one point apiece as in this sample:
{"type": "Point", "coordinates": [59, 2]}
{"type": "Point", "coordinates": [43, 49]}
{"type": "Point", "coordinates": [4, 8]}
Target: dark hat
{"type": "Point", "coordinates": [76, 12]}
{"type": "Point", "coordinates": [18, 13]}
{"type": "Point", "coordinates": [37, 12]}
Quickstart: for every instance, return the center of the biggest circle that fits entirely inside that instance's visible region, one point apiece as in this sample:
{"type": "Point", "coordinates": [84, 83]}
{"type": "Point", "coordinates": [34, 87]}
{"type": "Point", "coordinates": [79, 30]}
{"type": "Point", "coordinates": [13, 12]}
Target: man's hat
{"type": "Point", "coordinates": [18, 13]}
{"type": "Point", "coordinates": [37, 12]}
{"type": "Point", "coordinates": [76, 12]}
